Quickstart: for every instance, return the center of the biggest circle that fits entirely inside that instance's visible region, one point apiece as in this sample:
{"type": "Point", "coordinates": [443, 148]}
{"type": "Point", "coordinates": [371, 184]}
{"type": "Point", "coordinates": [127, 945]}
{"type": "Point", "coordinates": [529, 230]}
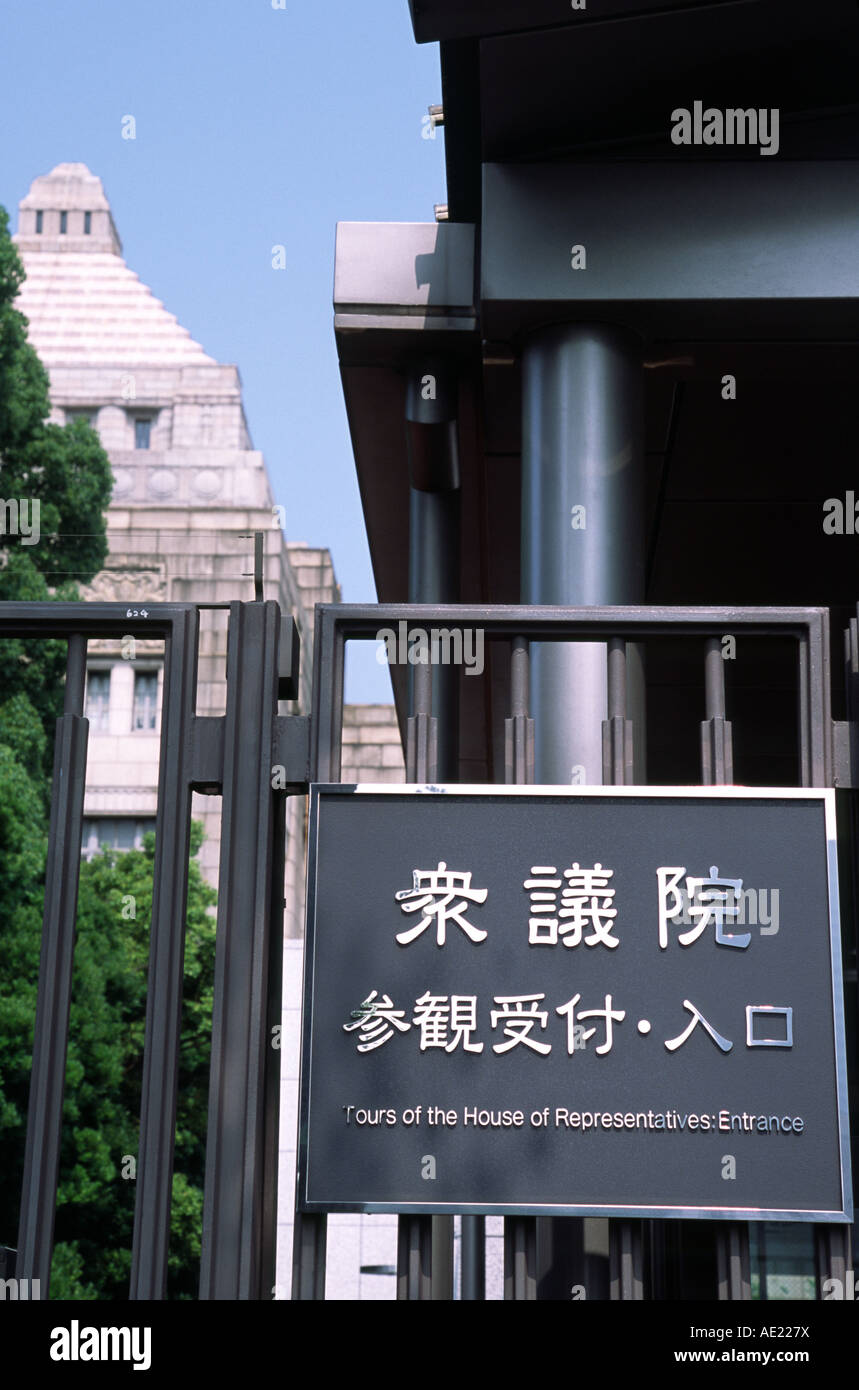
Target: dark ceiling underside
{"type": "Point", "coordinates": [735, 489]}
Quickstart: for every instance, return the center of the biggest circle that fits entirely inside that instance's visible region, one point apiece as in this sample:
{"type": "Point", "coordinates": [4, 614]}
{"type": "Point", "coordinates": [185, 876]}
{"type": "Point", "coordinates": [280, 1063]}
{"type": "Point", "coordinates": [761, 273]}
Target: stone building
{"type": "Point", "coordinates": [189, 491]}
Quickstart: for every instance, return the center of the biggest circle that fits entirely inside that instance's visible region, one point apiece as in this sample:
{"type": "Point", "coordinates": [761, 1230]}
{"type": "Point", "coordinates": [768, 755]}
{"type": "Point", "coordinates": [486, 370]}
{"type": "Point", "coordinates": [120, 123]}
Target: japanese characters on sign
{"type": "Point", "coordinates": [447, 1021]}
{"type": "Point", "coordinates": [647, 976]}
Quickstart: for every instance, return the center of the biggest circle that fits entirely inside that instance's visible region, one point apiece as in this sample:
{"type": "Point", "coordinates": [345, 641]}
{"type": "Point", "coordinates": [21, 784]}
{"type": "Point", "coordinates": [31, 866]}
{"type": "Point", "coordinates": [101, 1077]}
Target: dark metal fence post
{"type": "Point", "coordinates": [733, 1259]}
{"type": "Point", "coordinates": [415, 1233]}
{"type": "Point", "coordinates": [166, 957]}
{"type": "Point", "coordinates": [310, 1232]}
{"type": "Point", "coordinates": [626, 1279]}
{"type": "Point", "coordinates": [271, 1142]}
{"type": "Point", "coordinates": [51, 1031]}
{"type": "Point", "coordinates": [233, 1246]}
{"type": "Point", "coordinates": [520, 1232]}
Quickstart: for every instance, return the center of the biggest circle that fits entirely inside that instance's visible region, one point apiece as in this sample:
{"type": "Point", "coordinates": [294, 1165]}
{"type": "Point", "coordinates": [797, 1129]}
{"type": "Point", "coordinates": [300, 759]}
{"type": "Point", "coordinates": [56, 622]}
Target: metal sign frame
{"type": "Point", "coordinates": [320, 791]}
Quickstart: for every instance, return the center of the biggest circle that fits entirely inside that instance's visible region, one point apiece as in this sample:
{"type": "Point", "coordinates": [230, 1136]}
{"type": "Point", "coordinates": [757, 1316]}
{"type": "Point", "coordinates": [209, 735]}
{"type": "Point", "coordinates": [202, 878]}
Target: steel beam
{"type": "Point", "coordinates": [667, 248]}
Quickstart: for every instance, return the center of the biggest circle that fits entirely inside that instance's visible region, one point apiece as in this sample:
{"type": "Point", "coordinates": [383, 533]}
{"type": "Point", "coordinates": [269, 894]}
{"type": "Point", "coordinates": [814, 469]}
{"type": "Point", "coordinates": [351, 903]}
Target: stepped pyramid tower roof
{"type": "Point", "coordinates": [83, 303]}
{"type": "Point", "coordinates": [189, 489]}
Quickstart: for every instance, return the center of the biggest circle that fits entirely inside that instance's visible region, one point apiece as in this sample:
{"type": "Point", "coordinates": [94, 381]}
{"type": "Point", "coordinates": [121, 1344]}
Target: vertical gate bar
{"type": "Point", "coordinates": [625, 1261]}
{"type": "Point", "coordinates": [56, 963]}
{"type": "Point", "coordinates": [75, 687]}
{"type": "Point", "coordinates": [166, 956]}
{"type": "Point", "coordinates": [819, 700]}
{"type": "Point", "coordinates": [414, 1257]}
{"type": "Point", "coordinates": [324, 644]}
{"type": "Point", "coordinates": [805, 773]}
{"type": "Point", "coordinates": [851, 677]}
{"type": "Point", "coordinates": [310, 1231]}
{"type": "Point", "coordinates": [258, 565]}
{"type": "Point", "coordinates": [473, 1258]}
{"type": "Point", "coordinates": [733, 1258]}
{"type": "Point", "coordinates": [520, 1257]}
{"type": "Point", "coordinates": [832, 1243]}
{"type": "Point", "coordinates": [717, 756]}
{"type": "Point", "coordinates": [271, 1108]}
{"type": "Point", "coordinates": [415, 1232]}
{"type": "Point", "coordinates": [441, 1258]}
{"type": "Point", "coordinates": [626, 1270]}
{"type": "Point", "coordinates": [832, 1256]}
{"type": "Point", "coordinates": [733, 1261]}
{"type": "Point", "coordinates": [338, 674]}
{"type": "Point", "coordinates": [309, 1243]}
{"type": "Point", "coordinates": [231, 1257]}
{"type": "Point", "coordinates": [520, 1232]}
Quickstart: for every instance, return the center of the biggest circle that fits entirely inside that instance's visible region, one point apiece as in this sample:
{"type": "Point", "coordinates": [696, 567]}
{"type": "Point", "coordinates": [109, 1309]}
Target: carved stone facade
{"type": "Point", "coordinates": [189, 489]}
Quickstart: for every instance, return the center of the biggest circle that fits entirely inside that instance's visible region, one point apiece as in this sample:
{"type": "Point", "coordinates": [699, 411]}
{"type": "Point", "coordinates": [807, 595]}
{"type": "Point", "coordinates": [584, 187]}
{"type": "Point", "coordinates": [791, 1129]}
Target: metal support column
{"type": "Point", "coordinates": [582, 522]}
{"type": "Point", "coordinates": [582, 544]}
{"type": "Point", "coordinates": [431, 410]}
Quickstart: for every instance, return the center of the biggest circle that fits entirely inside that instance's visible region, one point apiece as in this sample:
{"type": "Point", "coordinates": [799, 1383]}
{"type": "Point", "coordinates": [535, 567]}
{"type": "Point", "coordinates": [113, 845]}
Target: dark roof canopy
{"type": "Point", "coordinates": [538, 80]}
{"type": "Point", "coordinates": [587, 100]}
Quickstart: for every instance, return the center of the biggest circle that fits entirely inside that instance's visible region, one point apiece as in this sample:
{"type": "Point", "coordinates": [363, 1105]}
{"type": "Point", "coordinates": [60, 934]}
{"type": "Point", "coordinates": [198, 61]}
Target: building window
{"type": "Point", "coordinates": [145, 700]}
{"type": "Point", "coordinates": [87, 223]}
{"type": "Point", "coordinates": [87, 415]}
{"type": "Point", "coordinates": [142, 432]}
{"type": "Point", "coordinates": [114, 832]}
{"type": "Point", "coordinates": [38, 223]}
{"type": "Point", "coordinates": [64, 218]}
{"type": "Point", "coordinates": [97, 708]}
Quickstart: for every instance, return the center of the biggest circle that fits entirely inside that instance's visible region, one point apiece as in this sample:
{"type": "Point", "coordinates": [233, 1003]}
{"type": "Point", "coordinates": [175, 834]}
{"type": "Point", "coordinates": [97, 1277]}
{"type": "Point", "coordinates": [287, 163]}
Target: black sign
{"type": "Point", "coordinates": [612, 1002]}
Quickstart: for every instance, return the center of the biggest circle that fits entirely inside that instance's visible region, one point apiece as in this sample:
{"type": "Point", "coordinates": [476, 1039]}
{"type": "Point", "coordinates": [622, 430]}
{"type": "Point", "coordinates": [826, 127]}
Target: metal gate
{"type": "Point", "coordinates": [234, 756]}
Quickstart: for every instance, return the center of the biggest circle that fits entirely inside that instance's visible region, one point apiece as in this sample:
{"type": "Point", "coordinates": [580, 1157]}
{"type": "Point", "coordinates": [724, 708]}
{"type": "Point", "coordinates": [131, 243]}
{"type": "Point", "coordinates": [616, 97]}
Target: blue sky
{"type": "Point", "coordinates": [255, 127]}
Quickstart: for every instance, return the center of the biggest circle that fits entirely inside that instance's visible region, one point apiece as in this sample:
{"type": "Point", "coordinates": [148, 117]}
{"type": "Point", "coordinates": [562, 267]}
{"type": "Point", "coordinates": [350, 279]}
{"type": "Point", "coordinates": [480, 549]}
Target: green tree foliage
{"type": "Point", "coordinates": [68, 472]}
{"type": "Point", "coordinates": [95, 1208]}
{"type": "Point", "coordinates": [64, 467]}
{"type": "Point", "coordinates": [65, 470]}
